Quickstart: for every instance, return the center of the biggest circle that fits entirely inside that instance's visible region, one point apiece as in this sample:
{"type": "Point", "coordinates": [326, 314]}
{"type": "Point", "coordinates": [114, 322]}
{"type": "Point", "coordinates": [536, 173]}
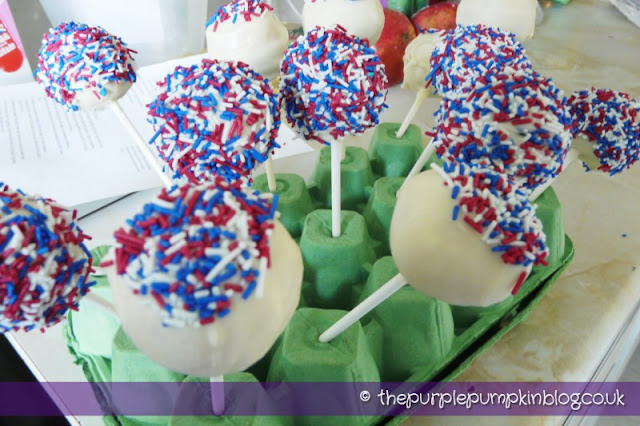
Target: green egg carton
{"type": "Point", "coordinates": [437, 342]}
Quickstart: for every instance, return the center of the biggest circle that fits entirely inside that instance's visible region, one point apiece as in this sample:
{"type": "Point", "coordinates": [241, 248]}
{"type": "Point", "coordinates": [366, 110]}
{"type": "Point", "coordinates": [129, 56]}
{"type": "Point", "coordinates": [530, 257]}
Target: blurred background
{"type": "Point", "coordinates": [157, 29]}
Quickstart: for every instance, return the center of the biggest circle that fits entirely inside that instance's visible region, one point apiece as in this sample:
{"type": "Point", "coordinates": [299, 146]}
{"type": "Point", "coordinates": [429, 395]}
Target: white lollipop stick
{"type": "Point", "coordinates": [367, 305]}
{"type": "Point", "coordinates": [271, 177]}
{"type": "Point", "coordinates": [217, 395]}
{"type": "Point", "coordinates": [427, 152]}
{"type": "Point", "coordinates": [336, 196]}
{"type": "Point", "coordinates": [421, 96]}
{"type": "Point", "coordinates": [144, 147]}
{"type": "Point", "coordinates": [217, 383]}
{"type": "Point", "coordinates": [572, 156]}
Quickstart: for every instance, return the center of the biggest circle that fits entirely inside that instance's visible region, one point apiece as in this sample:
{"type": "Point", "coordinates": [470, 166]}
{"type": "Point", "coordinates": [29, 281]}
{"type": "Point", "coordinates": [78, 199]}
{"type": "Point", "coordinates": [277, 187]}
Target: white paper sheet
{"type": "Point", "coordinates": [71, 157]}
{"type": "Point", "coordinates": [81, 157]}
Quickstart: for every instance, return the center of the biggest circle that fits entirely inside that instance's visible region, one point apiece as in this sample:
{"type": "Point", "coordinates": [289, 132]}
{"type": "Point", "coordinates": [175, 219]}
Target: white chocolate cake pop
{"type": "Point", "coordinates": [44, 264]}
{"type": "Point", "coordinates": [83, 67]}
{"type": "Point", "coordinates": [467, 52]}
{"type": "Point", "coordinates": [517, 123]}
{"type": "Point", "coordinates": [465, 235]}
{"type": "Point", "coordinates": [214, 119]}
{"type": "Point", "coordinates": [361, 18]}
{"type": "Point", "coordinates": [248, 31]}
{"type": "Point", "coordinates": [516, 16]}
{"type": "Point", "coordinates": [417, 60]}
{"type": "Point", "coordinates": [205, 278]}
{"type": "Point", "coordinates": [332, 85]}
{"type": "Point", "coordinates": [457, 57]}
{"type": "Point", "coordinates": [606, 128]}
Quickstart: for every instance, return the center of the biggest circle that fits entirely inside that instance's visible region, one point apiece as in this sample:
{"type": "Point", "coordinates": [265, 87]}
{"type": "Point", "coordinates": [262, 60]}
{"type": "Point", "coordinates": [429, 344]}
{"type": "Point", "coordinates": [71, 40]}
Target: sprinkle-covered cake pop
{"type": "Point", "coordinates": [465, 235]}
{"type": "Point", "coordinates": [607, 129]}
{"type": "Point", "coordinates": [517, 123]}
{"type": "Point", "coordinates": [360, 18]}
{"type": "Point", "coordinates": [467, 52]}
{"type": "Point", "coordinates": [83, 67]}
{"type": "Point", "coordinates": [248, 31]}
{"type": "Point", "coordinates": [332, 85]}
{"type": "Point", "coordinates": [206, 278]}
{"type": "Point", "coordinates": [44, 264]}
{"type": "Point", "coordinates": [214, 118]}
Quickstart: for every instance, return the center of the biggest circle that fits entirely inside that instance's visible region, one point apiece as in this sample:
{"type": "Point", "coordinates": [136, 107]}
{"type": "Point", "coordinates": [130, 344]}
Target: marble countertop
{"type": "Point", "coordinates": [588, 43]}
{"type": "Point", "coordinates": [567, 335]}
{"type": "Point", "coordinates": [585, 44]}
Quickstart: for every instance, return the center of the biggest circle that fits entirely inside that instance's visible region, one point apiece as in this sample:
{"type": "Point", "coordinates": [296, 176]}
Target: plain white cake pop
{"type": "Point", "coordinates": [248, 31]}
{"type": "Point", "coordinates": [516, 16]}
{"type": "Point", "coordinates": [361, 18]}
{"type": "Point", "coordinates": [216, 322]}
{"type": "Point", "coordinates": [450, 235]}
{"type": "Point", "coordinates": [417, 60]}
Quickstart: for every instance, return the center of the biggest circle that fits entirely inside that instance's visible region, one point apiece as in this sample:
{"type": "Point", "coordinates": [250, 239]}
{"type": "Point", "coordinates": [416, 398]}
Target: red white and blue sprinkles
{"type": "Point", "coordinates": [466, 52]}
{"type": "Point", "coordinates": [610, 120]}
{"type": "Point", "coordinates": [44, 264]}
{"type": "Point", "coordinates": [193, 249]}
{"type": "Point", "coordinates": [497, 209]}
{"type": "Point", "coordinates": [238, 11]}
{"type": "Point", "coordinates": [76, 58]}
{"type": "Point", "coordinates": [517, 123]}
{"type": "Point", "coordinates": [215, 118]}
{"type": "Point", "coordinates": [332, 84]}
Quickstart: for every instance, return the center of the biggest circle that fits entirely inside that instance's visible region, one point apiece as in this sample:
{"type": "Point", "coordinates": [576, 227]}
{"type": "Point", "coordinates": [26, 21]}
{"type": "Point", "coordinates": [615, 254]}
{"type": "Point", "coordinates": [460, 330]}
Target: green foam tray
{"type": "Point", "coordinates": [437, 342]}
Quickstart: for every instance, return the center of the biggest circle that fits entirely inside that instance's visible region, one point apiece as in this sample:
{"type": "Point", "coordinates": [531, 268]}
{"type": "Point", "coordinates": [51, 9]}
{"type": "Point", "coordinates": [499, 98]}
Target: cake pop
{"type": "Point", "coordinates": [416, 59]}
{"type": "Point", "coordinates": [516, 16]}
{"type": "Point", "coordinates": [44, 264]}
{"type": "Point", "coordinates": [606, 129]}
{"type": "Point", "coordinates": [461, 55]}
{"type": "Point", "coordinates": [517, 123]}
{"type": "Point", "coordinates": [470, 51]}
{"type": "Point", "coordinates": [248, 31]}
{"type": "Point", "coordinates": [83, 67]}
{"type": "Point", "coordinates": [332, 85]}
{"type": "Point", "coordinates": [199, 271]}
{"type": "Point", "coordinates": [464, 234]}
{"type": "Point", "coordinates": [417, 64]}
{"type": "Point", "coordinates": [214, 119]}
{"type": "Point", "coordinates": [460, 213]}
{"type": "Point", "coordinates": [360, 18]}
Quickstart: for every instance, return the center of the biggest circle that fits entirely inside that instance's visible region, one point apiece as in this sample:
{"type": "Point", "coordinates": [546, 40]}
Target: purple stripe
{"type": "Point", "coordinates": [324, 399]}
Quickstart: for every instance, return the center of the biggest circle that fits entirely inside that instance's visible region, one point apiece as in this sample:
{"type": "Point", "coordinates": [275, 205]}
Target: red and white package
{"type": "Point", "coordinates": [14, 67]}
